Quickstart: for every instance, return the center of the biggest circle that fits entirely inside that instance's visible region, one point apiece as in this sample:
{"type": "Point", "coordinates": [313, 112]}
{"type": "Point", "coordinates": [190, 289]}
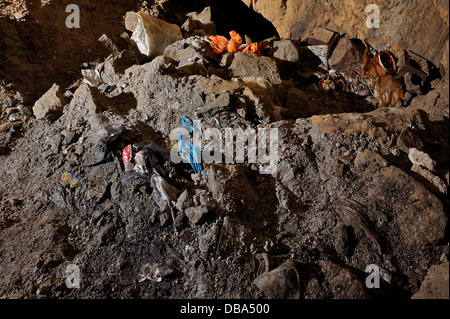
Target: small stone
{"type": "Point", "coordinates": [339, 171]}
{"type": "Point", "coordinates": [433, 179]}
{"type": "Point", "coordinates": [347, 55]}
{"type": "Point", "coordinates": [131, 20]}
{"type": "Point", "coordinates": [205, 16]}
{"type": "Point", "coordinates": [19, 15]}
{"type": "Point", "coordinates": [286, 50]}
{"type": "Point", "coordinates": [70, 138]}
{"type": "Point", "coordinates": [184, 201]}
{"type": "Point", "coordinates": [154, 272]}
{"type": "Point", "coordinates": [221, 103]}
{"type": "Point", "coordinates": [79, 150]}
{"type": "Point", "coordinates": [164, 219]}
{"type": "Point", "coordinates": [125, 37]}
{"type": "Point", "coordinates": [129, 167]}
{"type": "Point", "coordinates": [321, 36]}
{"type": "Point", "coordinates": [226, 60]}
{"type": "Point", "coordinates": [407, 139]}
{"type": "Point", "coordinates": [413, 64]}
{"type": "Point", "coordinates": [50, 105]}
{"type": "Point", "coordinates": [196, 213]}
{"type": "Point", "coordinates": [421, 159]}
{"type": "Point", "coordinates": [280, 283]}
{"type": "Point", "coordinates": [320, 51]}
{"type": "Point", "coordinates": [247, 64]}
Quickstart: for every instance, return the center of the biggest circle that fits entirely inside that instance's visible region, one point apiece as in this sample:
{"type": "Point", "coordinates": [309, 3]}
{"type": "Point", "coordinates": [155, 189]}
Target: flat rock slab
{"type": "Point", "coordinates": [248, 64]}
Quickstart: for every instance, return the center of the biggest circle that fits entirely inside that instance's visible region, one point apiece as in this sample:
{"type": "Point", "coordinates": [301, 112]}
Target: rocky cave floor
{"type": "Point", "coordinates": [345, 194]}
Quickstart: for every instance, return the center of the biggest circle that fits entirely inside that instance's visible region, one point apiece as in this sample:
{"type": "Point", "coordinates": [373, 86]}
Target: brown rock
{"type": "Point", "coordinates": [419, 215]}
{"type": "Point", "coordinates": [321, 36]}
{"type": "Point", "coordinates": [343, 284]}
{"type": "Point", "coordinates": [407, 139]}
{"type": "Point", "coordinates": [342, 241]}
{"type": "Point", "coordinates": [297, 103]}
{"type": "Point", "coordinates": [262, 94]}
{"type": "Point", "coordinates": [286, 50]}
{"type": "Point", "coordinates": [195, 26]}
{"type": "Point", "coordinates": [347, 55]}
{"type": "Point", "coordinates": [412, 84]}
{"type": "Point", "coordinates": [196, 213]}
{"type": "Point", "coordinates": [352, 214]}
{"type": "Point", "coordinates": [436, 284]}
{"type": "Point", "coordinates": [109, 44]}
{"type": "Point", "coordinates": [421, 159]}
{"type": "Point", "coordinates": [394, 120]}
{"type": "Point", "coordinates": [131, 20]}
{"type": "Point", "coordinates": [231, 195]}
{"type": "Point", "coordinates": [248, 64]}
{"type": "Point", "coordinates": [281, 283]}
{"type": "Point", "coordinates": [153, 35]}
{"type": "Point", "coordinates": [8, 125]}
{"type": "Point", "coordinates": [220, 104]}
{"type": "Point", "coordinates": [205, 16]}
{"type": "Point", "coordinates": [50, 105]}
{"type": "Point", "coordinates": [438, 183]}
{"type": "Point", "coordinates": [413, 64]}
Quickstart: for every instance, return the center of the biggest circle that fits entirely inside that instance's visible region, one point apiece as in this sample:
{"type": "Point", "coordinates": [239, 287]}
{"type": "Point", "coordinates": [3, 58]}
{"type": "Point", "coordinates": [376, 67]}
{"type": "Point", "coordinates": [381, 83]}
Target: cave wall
{"type": "Point", "coordinates": [421, 26]}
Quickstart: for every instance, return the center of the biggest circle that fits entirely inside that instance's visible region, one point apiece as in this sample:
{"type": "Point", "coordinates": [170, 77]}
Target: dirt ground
{"type": "Point", "coordinates": [345, 194]}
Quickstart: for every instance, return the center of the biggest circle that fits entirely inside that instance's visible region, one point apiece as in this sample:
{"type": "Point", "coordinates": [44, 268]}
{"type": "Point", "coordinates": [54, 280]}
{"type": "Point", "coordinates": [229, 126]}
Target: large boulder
{"type": "Point", "coordinates": [152, 35]}
{"type": "Point", "coordinates": [419, 215]}
{"type": "Point", "coordinates": [50, 105]}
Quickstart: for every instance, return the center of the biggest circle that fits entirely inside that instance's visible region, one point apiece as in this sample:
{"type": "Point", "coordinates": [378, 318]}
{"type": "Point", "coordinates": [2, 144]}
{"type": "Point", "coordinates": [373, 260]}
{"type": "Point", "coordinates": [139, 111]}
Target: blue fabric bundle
{"type": "Point", "coordinates": [192, 152]}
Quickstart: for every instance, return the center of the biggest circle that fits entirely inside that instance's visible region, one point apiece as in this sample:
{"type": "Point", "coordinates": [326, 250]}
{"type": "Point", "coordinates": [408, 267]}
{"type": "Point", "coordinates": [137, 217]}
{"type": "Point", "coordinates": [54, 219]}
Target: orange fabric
{"type": "Point", "coordinates": [218, 43]}
{"type": "Point", "coordinates": [252, 48]}
{"type": "Point", "coordinates": [235, 42]}
{"type": "Point", "coordinates": [221, 44]}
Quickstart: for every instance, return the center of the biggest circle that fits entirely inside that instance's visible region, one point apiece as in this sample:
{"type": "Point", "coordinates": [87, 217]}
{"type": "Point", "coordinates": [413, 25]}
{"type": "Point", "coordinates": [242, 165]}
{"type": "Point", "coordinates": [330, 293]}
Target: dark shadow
{"type": "Point", "coordinates": [41, 50]}
{"type": "Point", "coordinates": [227, 15]}
{"type": "Point", "coordinates": [4, 150]}
{"type": "Point", "coordinates": [235, 15]}
{"type": "Point", "coordinates": [120, 104]}
{"type": "Point", "coordinates": [309, 271]}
